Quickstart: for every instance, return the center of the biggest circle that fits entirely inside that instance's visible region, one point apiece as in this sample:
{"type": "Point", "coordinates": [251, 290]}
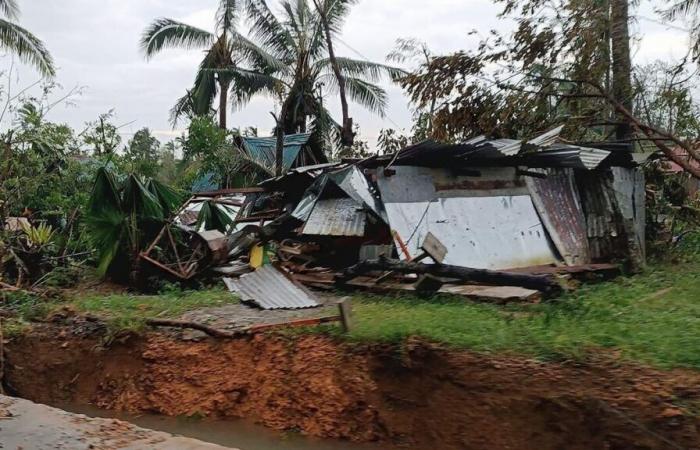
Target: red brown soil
{"type": "Point", "coordinates": [416, 396]}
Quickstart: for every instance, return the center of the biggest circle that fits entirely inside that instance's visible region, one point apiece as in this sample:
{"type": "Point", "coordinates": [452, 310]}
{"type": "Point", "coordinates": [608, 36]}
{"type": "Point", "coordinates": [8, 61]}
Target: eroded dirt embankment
{"type": "Point", "coordinates": [417, 395]}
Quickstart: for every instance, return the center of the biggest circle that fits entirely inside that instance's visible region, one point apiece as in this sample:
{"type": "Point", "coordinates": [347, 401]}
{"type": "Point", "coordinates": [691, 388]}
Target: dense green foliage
{"type": "Point", "coordinates": [123, 216]}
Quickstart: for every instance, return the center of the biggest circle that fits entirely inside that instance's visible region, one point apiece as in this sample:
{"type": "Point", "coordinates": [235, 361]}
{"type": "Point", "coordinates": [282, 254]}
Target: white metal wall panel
{"type": "Point", "coordinates": [485, 222]}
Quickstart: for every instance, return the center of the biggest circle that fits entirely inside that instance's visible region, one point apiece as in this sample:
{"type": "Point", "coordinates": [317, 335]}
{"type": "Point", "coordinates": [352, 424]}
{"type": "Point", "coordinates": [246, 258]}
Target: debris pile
{"type": "Point", "coordinates": [500, 220]}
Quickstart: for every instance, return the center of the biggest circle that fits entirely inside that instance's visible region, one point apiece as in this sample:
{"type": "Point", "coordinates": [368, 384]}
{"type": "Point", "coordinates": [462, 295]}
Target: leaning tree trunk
{"type": "Point", "coordinates": [621, 65]}
{"type": "Point", "coordinates": [347, 136]}
{"type": "Point", "coordinates": [223, 102]}
{"type": "Point", "coordinates": [279, 147]}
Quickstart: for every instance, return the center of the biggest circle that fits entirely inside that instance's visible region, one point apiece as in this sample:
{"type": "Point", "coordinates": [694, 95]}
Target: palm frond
{"type": "Point", "coordinates": [367, 70]}
{"type": "Point", "coordinates": [105, 193]}
{"type": "Point", "coordinates": [9, 9]}
{"type": "Point", "coordinates": [266, 29]}
{"type": "Point", "coordinates": [228, 14]}
{"type": "Point", "coordinates": [409, 49]}
{"type": "Point", "coordinates": [336, 12]}
{"type": "Point", "coordinates": [169, 198]}
{"type": "Point", "coordinates": [257, 56]}
{"type": "Point", "coordinates": [27, 47]}
{"type": "Point", "coordinates": [184, 107]}
{"type": "Point", "coordinates": [139, 201]}
{"type": "Point", "coordinates": [167, 33]}
{"type": "Point", "coordinates": [107, 228]}
{"type": "Point", "coordinates": [367, 94]}
{"type": "Point", "coordinates": [682, 8]}
{"type": "Point", "coordinates": [212, 216]}
{"type": "Point", "coordinates": [205, 87]}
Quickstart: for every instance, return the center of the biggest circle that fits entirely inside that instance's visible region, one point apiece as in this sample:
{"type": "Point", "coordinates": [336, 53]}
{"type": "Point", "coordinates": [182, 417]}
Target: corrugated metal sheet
{"type": "Point", "coordinates": [629, 186]}
{"type": "Point", "coordinates": [311, 196]}
{"type": "Point", "coordinates": [564, 155]}
{"type": "Point", "coordinates": [263, 149]}
{"type": "Point", "coordinates": [355, 184]}
{"type": "Point", "coordinates": [492, 225]}
{"type": "Point", "coordinates": [336, 217]}
{"type": "Point", "coordinates": [542, 151]}
{"type": "Point", "coordinates": [604, 222]}
{"type": "Point", "coordinates": [269, 288]}
{"type": "Point", "coordinates": [557, 201]}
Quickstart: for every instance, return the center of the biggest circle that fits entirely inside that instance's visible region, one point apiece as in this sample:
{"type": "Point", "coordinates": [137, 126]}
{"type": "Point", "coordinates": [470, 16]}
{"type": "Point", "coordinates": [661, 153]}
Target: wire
{"type": "Point", "coordinates": [366, 59]}
{"type": "Point", "coordinates": [667, 25]}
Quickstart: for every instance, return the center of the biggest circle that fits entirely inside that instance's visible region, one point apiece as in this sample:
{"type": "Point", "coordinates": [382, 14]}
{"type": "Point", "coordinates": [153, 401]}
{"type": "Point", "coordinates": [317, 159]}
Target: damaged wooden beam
{"type": "Point", "coordinates": [545, 284]}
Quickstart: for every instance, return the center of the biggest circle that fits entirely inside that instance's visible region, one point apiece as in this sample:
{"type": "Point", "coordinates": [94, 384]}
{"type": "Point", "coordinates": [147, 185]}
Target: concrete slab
{"type": "Point", "coordinates": [29, 426]}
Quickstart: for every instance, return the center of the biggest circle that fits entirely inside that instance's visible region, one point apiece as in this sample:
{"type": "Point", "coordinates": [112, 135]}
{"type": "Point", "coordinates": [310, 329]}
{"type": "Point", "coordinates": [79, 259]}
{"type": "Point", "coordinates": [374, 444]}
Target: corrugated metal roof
{"type": "Point", "coordinates": [542, 151]}
{"type": "Point", "coordinates": [269, 288]}
{"type": "Point", "coordinates": [306, 205]}
{"type": "Point", "coordinates": [263, 149]}
{"type": "Point", "coordinates": [564, 155]}
{"type": "Point", "coordinates": [356, 186]}
{"type": "Point", "coordinates": [336, 217]}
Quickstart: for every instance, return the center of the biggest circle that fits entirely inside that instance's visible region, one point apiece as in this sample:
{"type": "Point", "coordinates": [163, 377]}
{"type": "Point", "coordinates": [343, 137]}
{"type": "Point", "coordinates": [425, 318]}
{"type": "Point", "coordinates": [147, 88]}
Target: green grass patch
{"type": "Point", "coordinates": [125, 311]}
{"type": "Point", "coordinates": [653, 318]}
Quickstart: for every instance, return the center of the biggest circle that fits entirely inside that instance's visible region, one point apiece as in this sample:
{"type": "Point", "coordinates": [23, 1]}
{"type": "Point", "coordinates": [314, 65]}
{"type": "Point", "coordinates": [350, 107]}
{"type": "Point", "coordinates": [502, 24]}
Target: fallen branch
{"type": "Point", "coordinates": [214, 332]}
{"type": "Point", "coordinates": [546, 284]}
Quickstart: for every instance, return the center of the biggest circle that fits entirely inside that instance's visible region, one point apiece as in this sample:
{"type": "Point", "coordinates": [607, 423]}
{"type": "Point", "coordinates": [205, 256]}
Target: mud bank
{"type": "Point", "coordinates": [417, 395]}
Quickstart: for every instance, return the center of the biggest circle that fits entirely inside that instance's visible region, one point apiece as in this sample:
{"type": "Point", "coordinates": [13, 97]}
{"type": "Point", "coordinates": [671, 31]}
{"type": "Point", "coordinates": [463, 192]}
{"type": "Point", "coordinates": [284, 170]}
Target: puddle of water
{"type": "Point", "coordinates": [238, 434]}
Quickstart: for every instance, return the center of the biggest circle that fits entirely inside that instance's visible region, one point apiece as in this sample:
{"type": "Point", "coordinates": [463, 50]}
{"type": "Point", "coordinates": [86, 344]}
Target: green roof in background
{"type": "Point", "coordinates": [263, 149]}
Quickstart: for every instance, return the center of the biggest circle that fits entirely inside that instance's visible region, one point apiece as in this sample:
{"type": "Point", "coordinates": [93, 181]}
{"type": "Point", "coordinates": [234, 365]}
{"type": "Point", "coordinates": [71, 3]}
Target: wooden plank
{"type": "Point", "coordinates": [433, 247]}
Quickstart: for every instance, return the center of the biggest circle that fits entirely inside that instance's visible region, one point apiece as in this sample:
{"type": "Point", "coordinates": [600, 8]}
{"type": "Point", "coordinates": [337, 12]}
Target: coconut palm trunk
{"type": "Point", "coordinates": [622, 65]}
{"type": "Point", "coordinates": [223, 102]}
{"type": "Point", "coordinates": [347, 136]}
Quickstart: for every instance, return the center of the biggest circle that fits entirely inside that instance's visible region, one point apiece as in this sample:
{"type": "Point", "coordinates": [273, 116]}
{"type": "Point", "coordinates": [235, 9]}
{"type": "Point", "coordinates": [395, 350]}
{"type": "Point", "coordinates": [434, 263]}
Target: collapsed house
{"type": "Point", "coordinates": [528, 207]}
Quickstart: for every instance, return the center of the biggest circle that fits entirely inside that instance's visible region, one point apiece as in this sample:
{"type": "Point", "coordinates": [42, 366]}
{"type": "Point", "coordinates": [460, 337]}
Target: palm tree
{"type": "Point", "coordinates": [689, 9]}
{"type": "Point", "coordinates": [21, 42]}
{"type": "Point", "coordinates": [224, 49]}
{"type": "Point", "coordinates": [299, 42]}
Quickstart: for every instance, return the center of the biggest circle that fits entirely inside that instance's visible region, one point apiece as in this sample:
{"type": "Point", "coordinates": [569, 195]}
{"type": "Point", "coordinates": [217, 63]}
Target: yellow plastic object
{"type": "Point", "coordinates": [257, 256]}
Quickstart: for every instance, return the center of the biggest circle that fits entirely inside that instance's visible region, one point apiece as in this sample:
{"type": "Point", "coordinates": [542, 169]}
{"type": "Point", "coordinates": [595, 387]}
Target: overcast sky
{"type": "Point", "coordinates": [95, 45]}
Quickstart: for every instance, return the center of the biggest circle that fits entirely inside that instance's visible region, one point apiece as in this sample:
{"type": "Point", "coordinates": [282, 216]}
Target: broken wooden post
{"type": "Point", "coordinates": [346, 319]}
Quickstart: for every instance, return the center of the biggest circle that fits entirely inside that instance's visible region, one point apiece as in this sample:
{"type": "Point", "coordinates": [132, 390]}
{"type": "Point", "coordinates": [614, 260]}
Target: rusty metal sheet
{"type": "Point", "coordinates": [336, 217]}
{"type": "Point", "coordinates": [557, 202]}
{"type": "Point", "coordinates": [604, 222]}
{"type": "Point", "coordinates": [269, 288]}
{"type": "Point", "coordinates": [493, 228]}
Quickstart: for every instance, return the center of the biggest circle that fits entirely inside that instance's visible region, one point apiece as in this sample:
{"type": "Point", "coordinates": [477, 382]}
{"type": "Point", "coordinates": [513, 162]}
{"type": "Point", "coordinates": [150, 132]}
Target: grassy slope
{"type": "Point", "coordinates": [128, 311]}
{"type": "Point", "coordinates": [653, 318]}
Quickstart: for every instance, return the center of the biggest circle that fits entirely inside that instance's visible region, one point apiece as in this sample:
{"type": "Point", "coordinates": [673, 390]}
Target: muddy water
{"type": "Point", "coordinates": [237, 433]}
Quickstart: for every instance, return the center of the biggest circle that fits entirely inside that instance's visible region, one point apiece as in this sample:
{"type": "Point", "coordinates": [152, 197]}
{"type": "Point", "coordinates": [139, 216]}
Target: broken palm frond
{"type": "Point", "coordinates": [213, 216]}
{"type": "Point", "coordinates": [120, 215]}
{"type": "Point", "coordinates": [546, 284]}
